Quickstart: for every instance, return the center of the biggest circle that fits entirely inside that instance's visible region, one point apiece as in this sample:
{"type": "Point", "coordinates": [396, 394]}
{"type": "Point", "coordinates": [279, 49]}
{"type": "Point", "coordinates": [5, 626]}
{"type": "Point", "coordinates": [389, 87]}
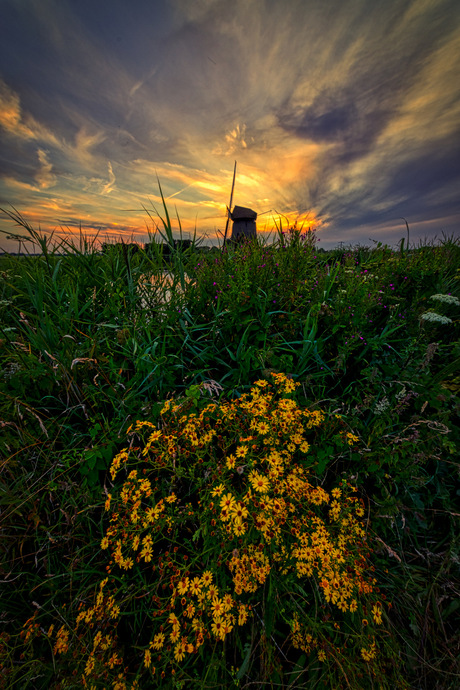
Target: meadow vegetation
{"type": "Point", "coordinates": [237, 468]}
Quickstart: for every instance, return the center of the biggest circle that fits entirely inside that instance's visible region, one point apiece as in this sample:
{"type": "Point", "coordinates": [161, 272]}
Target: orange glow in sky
{"type": "Point", "coordinates": [342, 116]}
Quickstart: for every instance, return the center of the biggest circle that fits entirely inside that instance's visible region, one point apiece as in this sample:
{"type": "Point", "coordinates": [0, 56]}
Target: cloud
{"type": "Point", "coordinates": [112, 179]}
{"type": "Point", "coordinates": [348, 110]}
{"type": "Point", "coordinates": [44, 176]}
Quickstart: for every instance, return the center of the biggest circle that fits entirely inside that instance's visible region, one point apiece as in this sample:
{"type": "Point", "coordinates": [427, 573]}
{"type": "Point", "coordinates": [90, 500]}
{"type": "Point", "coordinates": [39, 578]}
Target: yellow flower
{"type": "Point", "coordinates": [242, 614]}
{"type": "Point", "coordinates": [239, 528]}
{"type": "Point", "coordinates": [147, 658]}
{"type": "Point", "coordinates": [62, 641]}
{"type": "Point", "coordinates": [182, 586]}
{"type": "Point", "coordinates": [217, 626]}
{"type": "Point", "coordinates": [89, 665]}
{"type": "Point", "coordinates": [175, 634]}
{"type": "Point", "coordinates": [351, 438]}
{"type": "Point", "coordinates": [369, 654]}
{"type": "Point", "coordinates": [377, 614]}
{"type": "Point", "coordinates": [259, 482]}
{"type": "Point", "coordinates": [321, 655]}
{"type": "Point", "coordinates": [190, 610]}
{"type": "Point", "coordinates": [241, 451]}
{"type": "Point", "coordinates": [158, 641]}
{"type": "Point", "coordinates": [227, 501]}
{"type": "Point", "coordinates": [173, 619]}
{"type": "Point", "coordinates": [171, 499]}
{"type": "Point", "coordinates": [195, 586]}
{"type": "Point", "coordinates": [239, 512]}
{"type": "Point", "coordinates": [218, 490]}
{"type": "Point", "coordinates": [218, 607]}
{"type": "Point", "coordinates": [179, 652]}
{"type": "Point", "coordinates": [230, 462]}
{"type": "Point", "coordinates": [228, 602]}
{"type": "Point", "coordinates": [263, 428]}
{"type": "Point", "coordinates": [105, 543]}
{"type": "Point", "coordinates": [206, 578]}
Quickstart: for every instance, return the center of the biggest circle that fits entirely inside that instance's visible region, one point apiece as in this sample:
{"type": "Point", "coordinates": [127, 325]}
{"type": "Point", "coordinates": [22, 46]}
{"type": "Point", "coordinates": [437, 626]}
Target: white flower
{"type": "Point", "coordinates": [447, 299]}
{"type": "Point", "coordinates": [401, 394]}
{"type": "Point", "coordinates": [432, 317]}
{"type": "Point", "coordinates": [382, 405]}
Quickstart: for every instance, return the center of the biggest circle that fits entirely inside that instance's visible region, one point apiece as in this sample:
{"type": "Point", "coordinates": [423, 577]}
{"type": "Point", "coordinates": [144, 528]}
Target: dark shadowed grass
{"type": "Point", "coordinates": [92, 342]}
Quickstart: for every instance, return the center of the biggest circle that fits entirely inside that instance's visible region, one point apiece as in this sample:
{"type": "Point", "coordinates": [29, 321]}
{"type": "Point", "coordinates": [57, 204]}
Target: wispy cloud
{"type": "Point", "coordinates": [348, 111]}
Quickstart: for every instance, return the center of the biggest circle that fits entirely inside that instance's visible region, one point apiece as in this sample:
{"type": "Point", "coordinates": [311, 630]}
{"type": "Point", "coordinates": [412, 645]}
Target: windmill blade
{"type": "Point", "coordinates": [230, 205]}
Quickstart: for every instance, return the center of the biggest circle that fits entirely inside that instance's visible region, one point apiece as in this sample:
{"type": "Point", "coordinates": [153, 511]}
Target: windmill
{"type": "Point", "coordinates": [244, 219]}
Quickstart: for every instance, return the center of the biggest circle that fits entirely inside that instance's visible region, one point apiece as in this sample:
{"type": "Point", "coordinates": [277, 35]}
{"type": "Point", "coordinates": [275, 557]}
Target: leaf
{"type": "Point", "coordinates": [245, 665]}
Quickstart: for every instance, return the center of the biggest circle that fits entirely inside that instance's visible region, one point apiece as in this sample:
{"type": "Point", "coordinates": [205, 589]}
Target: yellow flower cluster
{"type": "Point", "coordinates": [104, 609]}
{"type": "Point", "coordinates": [61, 645]}
{"type": "Point", "coordinates": [249, 570]}
{"type": "Point", "coordinates": [228, 489]}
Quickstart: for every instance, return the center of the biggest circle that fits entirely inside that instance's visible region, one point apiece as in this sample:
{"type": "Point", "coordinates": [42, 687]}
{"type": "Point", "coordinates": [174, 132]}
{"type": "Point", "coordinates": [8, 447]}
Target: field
{"type": "Point", "coordinates": [238, 468]}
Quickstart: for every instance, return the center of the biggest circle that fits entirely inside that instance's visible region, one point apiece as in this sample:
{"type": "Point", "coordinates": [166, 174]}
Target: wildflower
{"type": "Point", "coordinates": [239, 528]}
{"type": "Point", "coordinates": [195, 586]}
{"type": "Point", "coordinates": [230, 462]}
{"type": "Point", "coordinates": [447, 299]}
{"type": "Point", "coordinates": [179, 652]}
{"type": "Point", "coordinates": [218, 490]}
{"type": "Point", "coordinates": [321, 655]}
{"type": "Point", "coordinates": [90, 665]}
{"type": "Point", "coordinates": [259, 482]}
{"type": "Point", "coordinates": [433, 317]}
{"type": "Point", "coordinates": [382, 406]}
{"type": "Point", "coordinates": [105, 543]}
{"type": "Point", "coordinates": [351, 438]}
{"type": "Point", "coordinates": [242, 614]}
{"type": "Point", "coordinates": [206, 578]}
{"type": "Point", "coordinates": [239, 512]}
{"type": "Point", "coordinates": [212, 592]}
{"type": "Point", "coordinates": [263, 428]}
{"type": "Point", "coordinates": [217, 626]}
{"type": "Point", "coordinates": [241, 451]}
{"type": "Point", "coordinates": [377, 614]}
{"type": "Point", "coordinates": [62, 641]}
{"type": "Point", "coordinates": [218, 607]}
{"type": "Point", "coordinates": [158, 641]}
{"type": "Point", "coordinates": [171, 499]}
{"type": "Point", "coordinates": [190, 610]}
{"type": "Point", "coordinates": [227, 502]}
{"type": "Point", "coordinates": [147, 658]}
{"type": "Point", "coordinates": [175, 634]}
{"type": "Point", "coordinates": [369, 654]}
{"type": "Point", "coordinates": [183, 584]}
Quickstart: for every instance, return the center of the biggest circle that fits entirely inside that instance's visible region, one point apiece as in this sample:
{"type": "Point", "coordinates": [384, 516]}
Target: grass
{"type": "Point", "coordinates": [93, 342]}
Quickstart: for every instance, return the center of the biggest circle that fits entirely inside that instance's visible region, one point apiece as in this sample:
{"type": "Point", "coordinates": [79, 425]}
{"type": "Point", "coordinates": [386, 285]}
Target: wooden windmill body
{"type": "Point", "coordinates": [244, 220]}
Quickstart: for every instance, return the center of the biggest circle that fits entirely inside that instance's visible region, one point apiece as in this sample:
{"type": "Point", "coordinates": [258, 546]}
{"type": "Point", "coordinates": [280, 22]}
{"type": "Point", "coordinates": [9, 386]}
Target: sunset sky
{"type": "Point", "coordinates": [344, 114]}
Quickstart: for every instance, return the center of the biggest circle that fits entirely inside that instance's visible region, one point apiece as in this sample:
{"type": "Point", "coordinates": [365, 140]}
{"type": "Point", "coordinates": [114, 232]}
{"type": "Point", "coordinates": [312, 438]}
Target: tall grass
{"type": "Point", "coordinates": [91, 342]}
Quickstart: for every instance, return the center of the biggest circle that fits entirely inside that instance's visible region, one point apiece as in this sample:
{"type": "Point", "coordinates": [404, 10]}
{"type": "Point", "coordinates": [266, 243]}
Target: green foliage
{"type": "Point", "coordinates": [91, 342]}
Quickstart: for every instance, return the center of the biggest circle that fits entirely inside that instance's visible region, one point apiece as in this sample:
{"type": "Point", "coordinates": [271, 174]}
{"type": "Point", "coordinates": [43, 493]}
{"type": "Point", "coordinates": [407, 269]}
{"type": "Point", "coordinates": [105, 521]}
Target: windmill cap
{"type": "Point", "coordinates": [242, 212]}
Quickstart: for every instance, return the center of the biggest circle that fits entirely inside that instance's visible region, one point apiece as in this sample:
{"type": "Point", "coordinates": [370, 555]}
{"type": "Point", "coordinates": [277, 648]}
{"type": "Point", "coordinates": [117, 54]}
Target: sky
{"type": "Point", "coordinates": [342, 115]}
